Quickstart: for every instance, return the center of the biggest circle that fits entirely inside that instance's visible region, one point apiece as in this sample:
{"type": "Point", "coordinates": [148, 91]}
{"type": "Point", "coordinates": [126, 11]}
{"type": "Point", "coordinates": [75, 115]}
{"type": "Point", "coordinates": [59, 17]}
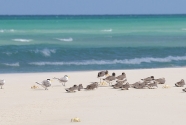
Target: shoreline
{"type": "Point", "coordinates": [93, 70]}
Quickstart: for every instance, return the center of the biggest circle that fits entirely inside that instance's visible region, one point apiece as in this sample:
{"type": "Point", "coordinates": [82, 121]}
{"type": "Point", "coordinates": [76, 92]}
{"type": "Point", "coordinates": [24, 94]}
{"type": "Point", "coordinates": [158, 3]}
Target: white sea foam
{"type": "Point", "coordinates": [107, 30]}
{"type": "Point", "coordinates": [65, 39]}
{"type": "Point", "coordinates": [108, 62]}
{"type": "Point", "coordinates": [22, 40]}
{"type": "Point", "coordinates": [1, 31]}
{"type": "Point", "coordinates": [45, 52]}
{"type": "Point", "coordinates": [12, 30]}
{"type": "Point", "coordinates": [7, 53]}
{"type": "Point", "coordinates": [12, 64]}
{"type": "Point", "coordinates": [6, 30]}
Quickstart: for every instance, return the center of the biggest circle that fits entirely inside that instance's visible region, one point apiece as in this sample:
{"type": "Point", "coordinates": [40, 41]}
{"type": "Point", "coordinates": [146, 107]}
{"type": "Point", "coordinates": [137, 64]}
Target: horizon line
{"type": "Point", "coordinates": [88, 14]}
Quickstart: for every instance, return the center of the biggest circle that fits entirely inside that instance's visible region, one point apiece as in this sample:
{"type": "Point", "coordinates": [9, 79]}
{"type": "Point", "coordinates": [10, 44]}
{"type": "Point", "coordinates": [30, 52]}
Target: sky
{"type": "Point", "coordinates": [91, 7]}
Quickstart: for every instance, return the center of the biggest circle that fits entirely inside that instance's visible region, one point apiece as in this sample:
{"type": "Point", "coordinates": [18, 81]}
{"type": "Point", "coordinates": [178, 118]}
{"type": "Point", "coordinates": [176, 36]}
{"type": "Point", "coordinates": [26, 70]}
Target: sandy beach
{"type": "Point", "coordinates": [21, 105]}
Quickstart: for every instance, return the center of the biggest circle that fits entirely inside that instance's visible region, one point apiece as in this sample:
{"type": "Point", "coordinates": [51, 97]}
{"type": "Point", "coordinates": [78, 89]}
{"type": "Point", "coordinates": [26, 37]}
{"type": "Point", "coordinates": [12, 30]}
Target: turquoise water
{"type": "Point", "coordinates": [73, 43]}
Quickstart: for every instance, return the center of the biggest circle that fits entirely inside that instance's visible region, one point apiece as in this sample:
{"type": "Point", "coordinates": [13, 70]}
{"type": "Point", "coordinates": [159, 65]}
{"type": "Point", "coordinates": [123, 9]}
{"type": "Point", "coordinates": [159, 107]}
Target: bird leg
{"type": "Point", "coordinates": [63, 83]}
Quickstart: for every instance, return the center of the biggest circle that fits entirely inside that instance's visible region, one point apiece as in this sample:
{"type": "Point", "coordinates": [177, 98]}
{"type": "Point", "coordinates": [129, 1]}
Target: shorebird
{"type": "Point", "coordinates": [139, 85]}
{"type": "Point", "coordinates": [180, 83]}
{"type": "Point", "coordinates": [80, 87]}
{"type": "Point", "coordinates": [92, 86]}
{"type": "Point", "coordinates": [148, 79]}
{"type": "Point", "coordinates": [125, 86]}
{"type": "Point", "coordinates": [2, 82]}
{"type": "Point", "coordinates": [109, 79]}
{"type": "Point", "coordinates": [102, 74]}
{"type": "Point", "coordinates": [152, 85]}
{"type": "Point", "coordinates": [45, 83]}
{"type": "Point", "coordinates": [121, 77]}
{"type": "Point", "coordinates": [118, 84]}
{"type": "Point", "coordinates": [72, 89]}
{"type": "Point", "coordinates": [63, 80]}
{"type": "Point", "coordinates": [160, 80]}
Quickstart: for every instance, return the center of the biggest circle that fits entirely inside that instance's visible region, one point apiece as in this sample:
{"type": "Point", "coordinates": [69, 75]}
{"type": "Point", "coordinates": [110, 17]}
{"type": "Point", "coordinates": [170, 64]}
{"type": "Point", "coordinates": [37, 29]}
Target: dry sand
{"type": "Point", "coordinates": [21, 105]}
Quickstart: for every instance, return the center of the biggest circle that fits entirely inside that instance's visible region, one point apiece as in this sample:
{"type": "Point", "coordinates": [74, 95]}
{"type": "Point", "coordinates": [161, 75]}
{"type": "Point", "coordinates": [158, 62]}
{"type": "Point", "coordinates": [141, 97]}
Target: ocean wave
{"type": "Point", "coordinates": [1, 31]}
{"type": "Point", "coordinates": [65, 39]}
{"type": "Point", "coordinates": [5, 30]}
{"type": "Point", "coordinates": [12, 64]}
{"type": "Point", "coordinates": [109, 62]}
{"type": "Point", "coordinates": [45, 52]}
{"type": "Point", "coordinates": [7, 53]}
{"type": "Point", "coordinates": [107, 30]}
{"type": "Point", "coordinates": [22, 40]}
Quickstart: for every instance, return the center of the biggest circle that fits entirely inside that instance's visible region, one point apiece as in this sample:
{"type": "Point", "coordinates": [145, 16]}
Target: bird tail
{"type": "Point", "coordinates": [38, 83]}
{"type": "Point", "coordinates": [67, 90]}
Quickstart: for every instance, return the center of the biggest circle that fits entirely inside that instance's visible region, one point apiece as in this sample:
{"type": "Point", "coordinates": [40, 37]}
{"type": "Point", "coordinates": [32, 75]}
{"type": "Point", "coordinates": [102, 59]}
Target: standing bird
{"type": "Point", "coordinates": [121, 77]}
{"type": "Point", "coordinates": [109, 79]}
{"type": "Point", "coordinates": [102, 74]}
{"type": "Point", "coordinates": [2, 82]}
{"type": "Point", "coordinates": [45, 83]}
{"type": "Point", "coordinates": [63, 80]}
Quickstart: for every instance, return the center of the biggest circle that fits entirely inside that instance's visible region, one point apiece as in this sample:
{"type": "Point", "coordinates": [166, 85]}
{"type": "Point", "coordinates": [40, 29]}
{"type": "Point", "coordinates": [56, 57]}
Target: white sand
{"type": "Point", "coordinates": [21, 105]}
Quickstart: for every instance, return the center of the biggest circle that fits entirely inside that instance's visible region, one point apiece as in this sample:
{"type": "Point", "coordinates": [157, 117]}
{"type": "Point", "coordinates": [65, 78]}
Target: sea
{"type": "Point", "coordinates": [60, 43]}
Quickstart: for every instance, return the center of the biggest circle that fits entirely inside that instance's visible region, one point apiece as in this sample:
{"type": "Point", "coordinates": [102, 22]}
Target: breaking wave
{"type": "Point", "coordinates": [5, 30]}
{"type": "Point", "coordinates": [44, 52]}
{"type": "Point", "coordinates": [107, 30]}
{"type": "Point", "coordinates": [12, 64]}
{"type": "Point", "coordinates": [65, 39]}
{"type": "Point", "coordinates": [109, 62]}
{"type": "Point", "coordinates": [22, 40]}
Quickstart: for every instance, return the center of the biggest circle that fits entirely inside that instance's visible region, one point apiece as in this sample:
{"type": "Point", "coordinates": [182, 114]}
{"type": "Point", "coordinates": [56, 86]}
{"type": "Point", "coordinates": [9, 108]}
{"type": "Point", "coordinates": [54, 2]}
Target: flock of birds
{"type": "Point", "coordinates": [105, 78]}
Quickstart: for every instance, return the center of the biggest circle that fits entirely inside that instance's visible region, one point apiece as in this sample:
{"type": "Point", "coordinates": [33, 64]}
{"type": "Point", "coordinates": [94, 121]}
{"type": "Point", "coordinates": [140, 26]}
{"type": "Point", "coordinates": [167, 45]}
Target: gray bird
{"type": "Point", "coordinates": [180, 83]}
{"type": "Point", "coordinates": [121, 77]}
{"type": "Point", "coordinates": [118, 84]}
{"type": "Point", "coordinates": [125, 86]}
{"type": "Point", "coordinates": [63, 80]}
{"type": "Point", "coordinates": [139, 85]}
{"type": "Point", "coordinates": [2, 82]}
{"type": "Point", "coordinates": [92, 86]}
{"type": "Point", "coordinates": [72, 89]}
{"type": "Point", "coordinates": [102, 74]}
{"type": "Point", "coordinates": [80, 87]}
{"type": "Point", "coordinates": [148, 78]}
{"type": "Point", "coordinates": [109, 79]}
{"type": "Point", "coordinates": [45, 84]}
{"type": "Point", "coordinates": [160, 80]}
{"type": "Point", "coordinates": [152, 85]}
